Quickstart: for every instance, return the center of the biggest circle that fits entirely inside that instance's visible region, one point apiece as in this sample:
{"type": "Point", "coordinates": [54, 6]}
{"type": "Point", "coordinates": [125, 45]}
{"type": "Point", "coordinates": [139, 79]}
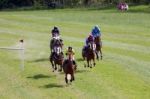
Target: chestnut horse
{"type": "Point", "coordinates": [57, 58]}
{"type": "Point", "coordinates": [98, 50]}
{"type": "Point", "coordinates": [88, 54]}
{"type": "Point", "coordinates": [68, 68]}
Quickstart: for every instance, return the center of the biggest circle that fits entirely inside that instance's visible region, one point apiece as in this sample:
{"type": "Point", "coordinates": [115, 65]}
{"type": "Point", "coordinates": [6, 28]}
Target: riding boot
{"type": "Point", "coordinates": [74, 63]}
{"type": "Point", "coordinates": [66, 80]}
{"type": "Point", "coordinates": [62, 54]}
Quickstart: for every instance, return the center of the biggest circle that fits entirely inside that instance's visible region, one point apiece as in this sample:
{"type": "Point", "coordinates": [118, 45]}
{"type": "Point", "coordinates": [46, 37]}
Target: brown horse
{"type": "Point", "coordinates": [98, 50]}
{"type": "Point", "coordinates": [88, 54]}
{"type": "Point", "coordinates": [57, 58]}
{"type": "Point", "coordinates": [68, 68]}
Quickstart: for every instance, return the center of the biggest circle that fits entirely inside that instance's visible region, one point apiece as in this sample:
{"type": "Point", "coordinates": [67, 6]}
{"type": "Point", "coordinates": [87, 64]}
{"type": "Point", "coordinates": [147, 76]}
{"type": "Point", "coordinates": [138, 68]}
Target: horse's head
{"type": "Point", "coordinates": [57, 50]}
{"type": "Point", "coordinates": [92, 46]}
{"type": "Point", "coordinates": [58, 42]}
{"type": "Point", "coordinates": [97, 39]}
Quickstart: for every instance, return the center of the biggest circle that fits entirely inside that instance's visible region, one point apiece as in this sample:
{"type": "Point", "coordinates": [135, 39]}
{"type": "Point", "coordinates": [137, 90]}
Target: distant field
{"type": "Point", "coordinates": [124, 72]}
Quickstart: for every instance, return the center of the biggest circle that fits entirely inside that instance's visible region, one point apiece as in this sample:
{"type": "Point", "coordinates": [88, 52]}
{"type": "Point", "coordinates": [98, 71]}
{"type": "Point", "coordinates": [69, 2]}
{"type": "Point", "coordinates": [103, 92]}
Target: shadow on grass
{"type": "Point", "coordinates": [39, 60]}
{"type": "Point", "coordinates": [52, 85]}
{"type": "Point", "coordinates": [77, 71]}
{"type": "Point", "coordinates": [79, 59]}
{"type": "Point", "coordinates": [81, 71]}
{"type": "Point", "coordinates": [39, 76]}
{"type": "Point", "coordinates": [139, 11]}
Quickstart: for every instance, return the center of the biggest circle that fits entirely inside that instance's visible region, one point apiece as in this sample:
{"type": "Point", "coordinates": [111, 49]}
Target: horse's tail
{"type": "Point", "coordinates": [68, 76]}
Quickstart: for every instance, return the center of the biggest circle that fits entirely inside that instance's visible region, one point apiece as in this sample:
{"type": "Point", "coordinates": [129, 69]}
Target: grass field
{"type": "Point", "coordinates": [124, 72]}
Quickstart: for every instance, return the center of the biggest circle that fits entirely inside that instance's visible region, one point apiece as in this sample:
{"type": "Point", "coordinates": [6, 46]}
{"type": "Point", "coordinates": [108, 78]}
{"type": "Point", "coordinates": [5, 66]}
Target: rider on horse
{"type": "Point", "coordinates": [97, 39]}
{"type": "Point", "coordinates": [70, 51]}
{"type": "Point", "coordinates": [88, 40]}
{"type": "Point", "coordinates": [55, 37]}
{"type": "Point", "coordinates": [88, 51]}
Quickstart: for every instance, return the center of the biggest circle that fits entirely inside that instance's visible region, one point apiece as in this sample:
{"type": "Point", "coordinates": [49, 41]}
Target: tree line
{"type": "Point", "coordinates": [62, 3]}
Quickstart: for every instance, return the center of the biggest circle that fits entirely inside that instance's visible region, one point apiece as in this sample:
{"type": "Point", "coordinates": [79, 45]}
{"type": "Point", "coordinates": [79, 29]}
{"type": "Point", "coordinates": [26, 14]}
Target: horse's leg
{"type": "Point", "coordinates": [60, 68]}
{"type": "Point", "coordinates": [55, 65]}
{"type": "Point", "coordinates": [62, 65]}
{"type": "Point", "coordinates": [83, 56]}
{"type": "Point", "coordinates": [88, 63]}
{"type": "Point", "coordinates": [97, 54]}
{"type": "Point", "coordinates": [94, 62]}
{"type": "Point", "coordinates": [72, 77]}
{"type": "Point", "coordinates": [101, 50]}
{"type": "Point", "coordinates": [84, 61]}
{"type": "Point", "coordinates": [93, 59]}
{"type": "Point", "coordinates": [51, 45]}
{"type": "Point", "coordinates": [66, 80]}
{"type": "Point", "coordinates": [101, 53]}
{"type": "Point", "coordinates": [52, 64]}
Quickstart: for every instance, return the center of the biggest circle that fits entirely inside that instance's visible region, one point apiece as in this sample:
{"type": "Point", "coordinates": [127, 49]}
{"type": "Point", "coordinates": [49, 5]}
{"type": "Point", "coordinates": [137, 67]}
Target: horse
{"type": "Point", "coordinates": [54, 41]}
{"type": "Point", "coordinates": [69, 69]}
{"type": "Point", "coordinates": [88, 54]}
{"type": "Point", "coordinates": [123, 6]}
{"type": "Point", "coordinates": [98, 50]}
{"type": "Point", "coordinates": [57, 58]}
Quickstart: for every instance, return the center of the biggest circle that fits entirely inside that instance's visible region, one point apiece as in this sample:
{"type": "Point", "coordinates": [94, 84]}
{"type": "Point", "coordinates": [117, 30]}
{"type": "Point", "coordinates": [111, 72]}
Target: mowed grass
{"type": "Point", "coordinates": [124, 72]}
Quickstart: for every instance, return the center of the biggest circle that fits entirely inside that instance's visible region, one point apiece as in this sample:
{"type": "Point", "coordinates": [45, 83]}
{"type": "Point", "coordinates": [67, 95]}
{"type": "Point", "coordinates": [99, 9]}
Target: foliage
{"type": "Point", "coordinates": [62, 3]}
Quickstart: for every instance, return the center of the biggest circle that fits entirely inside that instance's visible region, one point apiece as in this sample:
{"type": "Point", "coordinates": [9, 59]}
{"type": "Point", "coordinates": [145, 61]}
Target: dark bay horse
{"type": "Point", "coordinates": [98, 50]}
{"type": "Point", "coordinates": [54, 41]}
{"type": "Point", "coordinates": [57, 58]}
{"type": "Point", "coordinates": [68, 68]}
{"type": "Point", "coordinates": [88, 54]}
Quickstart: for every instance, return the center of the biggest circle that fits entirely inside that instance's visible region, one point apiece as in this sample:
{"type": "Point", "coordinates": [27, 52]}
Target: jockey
{"type": "Point", "coordinates": [89, 39]}
{"type": "Point", "coordinates": [55, 33]}
{"type": "Point", "coordinates": [96, 31]}
{"type": "Point", "coordinates": [70, 51]}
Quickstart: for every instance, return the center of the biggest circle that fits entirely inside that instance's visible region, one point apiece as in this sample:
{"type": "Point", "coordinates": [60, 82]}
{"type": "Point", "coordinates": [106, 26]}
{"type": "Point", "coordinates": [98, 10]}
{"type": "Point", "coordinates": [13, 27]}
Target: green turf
{"type": "Point", "coordinates": [124, 72]}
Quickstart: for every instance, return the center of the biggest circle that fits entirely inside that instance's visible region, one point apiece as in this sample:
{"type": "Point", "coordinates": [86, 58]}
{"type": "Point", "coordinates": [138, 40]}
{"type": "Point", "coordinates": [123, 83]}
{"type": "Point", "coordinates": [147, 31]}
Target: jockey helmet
{"type": "Point", "coordinates": [55, 27]}
{"type": "Point", "coordinates": [90, 36]}
{"type": "Point", "coordinates": [70, 48]}
{"type": "Point", "coordinates": [96, 27]}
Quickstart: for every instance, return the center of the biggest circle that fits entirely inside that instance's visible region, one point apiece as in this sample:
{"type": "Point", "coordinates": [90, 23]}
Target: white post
{"type": "Point", "coordinates": [22, 54]}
